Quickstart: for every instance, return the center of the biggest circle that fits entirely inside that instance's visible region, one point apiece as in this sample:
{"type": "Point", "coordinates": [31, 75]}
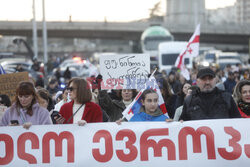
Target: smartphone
{"type": "Point", "coordinates": [55, 115]}
{"type": "Point", "coordinates": [14, 122]}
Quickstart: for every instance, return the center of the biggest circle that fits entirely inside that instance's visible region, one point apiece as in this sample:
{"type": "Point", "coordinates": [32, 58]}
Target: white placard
{"type": "Point", "coordinates": [124, 71]}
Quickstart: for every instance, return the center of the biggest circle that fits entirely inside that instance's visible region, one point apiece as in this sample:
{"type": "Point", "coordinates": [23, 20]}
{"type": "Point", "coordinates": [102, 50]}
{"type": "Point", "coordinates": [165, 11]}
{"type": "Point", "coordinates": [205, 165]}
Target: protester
{"type": "Point", "coordinates": [80, 110]}
{"type": "Point", "coordinates": [26, 111]}
{"type": "Point", "coordinates": [230, 82]}
{"type": "Point", "coordinates": [182, 94]}
{"type": "Point", "coordinates": [58, 96]}
{"type": "Point", "coordinates": [168, 96]}
{"type": "Point", "coordinates": [19, 68]}
{"type": "Point", "coordinates": [36, 65]}
{"type": "Point", "coordinates": [246, 74]}
{"type": "Point", "coordinates": [114, 108]}
{"type": "Point", "coordinates": [58, 75]}
{"type": "Point", "coordinates": [95, 93]}
{"type": "Point", "coordinates": [178, 110]}
{"type": "Point", "coordinates": [67, 74]}
{"type": "Point", "coordinates": [53, 86]}
{"type": "Point", "coordinates": [64, 99]}
{"type": "Point", "coordinates": [150, 110]}
{"type": "Point", "coordinates": [54, 113]}
{"type": "Point", "coordinates": [4, 104]}
{"type": "Point", "coordinates": [219, 83]}
{"type": "Point", "coordinates": [45, 99]}
{"type": "Point", "coordinates": [242, 97]}
{"type": "Point", "coordinates": [174, 82]}
{"type": "Point", "coordinates": [5, 100]}
{"type": "Point", "coordinates": [208, 102]}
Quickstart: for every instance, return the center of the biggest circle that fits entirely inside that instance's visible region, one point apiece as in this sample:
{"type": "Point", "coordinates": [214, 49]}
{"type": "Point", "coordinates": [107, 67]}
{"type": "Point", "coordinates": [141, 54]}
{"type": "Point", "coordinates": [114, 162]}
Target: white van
{"type": "Point", "coordinates": [225, 58]}
{"type": "Point", "coordinates": [168, 53]}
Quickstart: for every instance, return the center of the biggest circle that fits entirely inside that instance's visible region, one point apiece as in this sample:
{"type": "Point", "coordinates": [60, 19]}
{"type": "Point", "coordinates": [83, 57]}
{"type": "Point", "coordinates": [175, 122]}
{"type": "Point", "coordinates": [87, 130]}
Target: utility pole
{"type": "Point", "coordinates": [35, 56]}
{"type": "Point", "coordinates": [45, 54]}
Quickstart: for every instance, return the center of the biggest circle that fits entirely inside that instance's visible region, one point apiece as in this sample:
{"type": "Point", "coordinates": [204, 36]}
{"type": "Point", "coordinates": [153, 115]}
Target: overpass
{"type": "Point", "coordinates": [235, 35]}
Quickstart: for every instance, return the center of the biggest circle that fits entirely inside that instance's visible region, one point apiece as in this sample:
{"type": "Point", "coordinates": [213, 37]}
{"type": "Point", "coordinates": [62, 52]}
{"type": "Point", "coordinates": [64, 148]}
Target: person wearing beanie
{"type": "Point", "coordinates": [208, 102]}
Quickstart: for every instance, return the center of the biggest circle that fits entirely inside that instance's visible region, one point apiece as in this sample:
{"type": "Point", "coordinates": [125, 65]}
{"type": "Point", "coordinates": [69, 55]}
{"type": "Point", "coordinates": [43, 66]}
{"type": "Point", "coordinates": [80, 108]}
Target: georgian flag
{"type": "Point", "coordinates": [136, 104]}
{"type": "Point", "coordinates": [192, 50]}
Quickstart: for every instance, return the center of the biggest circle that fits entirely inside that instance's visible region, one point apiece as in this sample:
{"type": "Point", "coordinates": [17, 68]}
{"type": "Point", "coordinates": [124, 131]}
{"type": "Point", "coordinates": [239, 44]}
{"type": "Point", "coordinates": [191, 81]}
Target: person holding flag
{"type": "Point", "coordinates": [149, 111]}
{"type": "Point", "coordinates": [192, 50]}
{"type": "Point", "coordinates": [140, 106]}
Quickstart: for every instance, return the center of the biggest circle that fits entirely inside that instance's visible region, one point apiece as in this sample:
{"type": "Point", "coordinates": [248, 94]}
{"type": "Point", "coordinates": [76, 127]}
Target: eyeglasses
{"type": "Point", "coordinates": [70, 89]}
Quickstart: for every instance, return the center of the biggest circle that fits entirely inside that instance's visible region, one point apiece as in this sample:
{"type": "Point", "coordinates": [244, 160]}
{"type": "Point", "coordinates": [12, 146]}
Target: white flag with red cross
{"type": "Point", "coordinates": [192, 50]}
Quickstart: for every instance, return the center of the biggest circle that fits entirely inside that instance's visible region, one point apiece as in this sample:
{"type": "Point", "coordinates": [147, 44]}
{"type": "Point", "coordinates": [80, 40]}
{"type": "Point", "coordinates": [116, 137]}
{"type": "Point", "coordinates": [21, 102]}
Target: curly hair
{"type": "Point", "coordinates": [237, 96]}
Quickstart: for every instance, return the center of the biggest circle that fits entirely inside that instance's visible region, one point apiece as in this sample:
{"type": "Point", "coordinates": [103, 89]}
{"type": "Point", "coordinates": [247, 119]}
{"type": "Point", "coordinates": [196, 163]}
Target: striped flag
{"type": "Point", "coordinates": [2, 70]}
{"type": "Point", "coordinates": [192, 50]}
{"type": "Point", "coordinates": [136, 104]}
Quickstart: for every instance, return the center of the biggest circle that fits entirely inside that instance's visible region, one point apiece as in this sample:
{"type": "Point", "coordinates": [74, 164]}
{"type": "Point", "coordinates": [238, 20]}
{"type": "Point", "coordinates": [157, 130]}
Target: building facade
{"type": "Point", "coordinates": [185, 12]}
{"type": "Point", "coordinates": [243, 11]}
{"type": "Point", "coordinates": [227, 15]}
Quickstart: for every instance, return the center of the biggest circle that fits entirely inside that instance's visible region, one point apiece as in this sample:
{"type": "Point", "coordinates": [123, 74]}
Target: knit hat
{"type": "Point", "coordinates": [205, 72]}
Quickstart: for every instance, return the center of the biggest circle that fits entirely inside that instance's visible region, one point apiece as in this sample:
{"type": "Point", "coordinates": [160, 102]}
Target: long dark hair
{"type": "Point", "coordinates": [26, 88]}
{"type": "Point", "coordinates": [167, 94]}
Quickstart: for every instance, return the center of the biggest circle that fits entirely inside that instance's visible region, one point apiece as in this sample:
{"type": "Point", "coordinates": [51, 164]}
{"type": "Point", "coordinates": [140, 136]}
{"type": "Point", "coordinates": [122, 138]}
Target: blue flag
{"type": "Point", "coordinates": [2, 70]}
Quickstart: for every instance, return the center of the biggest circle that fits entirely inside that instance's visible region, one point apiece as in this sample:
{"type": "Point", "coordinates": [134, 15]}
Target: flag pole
{"type": "Point", "coordinates": [153, 72]}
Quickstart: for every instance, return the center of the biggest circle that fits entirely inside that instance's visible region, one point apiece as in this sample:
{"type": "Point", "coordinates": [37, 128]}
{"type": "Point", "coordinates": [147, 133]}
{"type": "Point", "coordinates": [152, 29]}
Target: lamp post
{"type": "Point", "coordinates": [34, 32]}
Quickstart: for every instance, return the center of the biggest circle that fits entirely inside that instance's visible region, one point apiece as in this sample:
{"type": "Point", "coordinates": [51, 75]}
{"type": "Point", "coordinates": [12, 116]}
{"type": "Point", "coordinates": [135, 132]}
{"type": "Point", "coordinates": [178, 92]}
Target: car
{"type": "Point", "coordinates": [83, 68]}
{"type": "Point", "coordinates": [14, 62]}
{"type": "Point", "coordinates": [10, 66]}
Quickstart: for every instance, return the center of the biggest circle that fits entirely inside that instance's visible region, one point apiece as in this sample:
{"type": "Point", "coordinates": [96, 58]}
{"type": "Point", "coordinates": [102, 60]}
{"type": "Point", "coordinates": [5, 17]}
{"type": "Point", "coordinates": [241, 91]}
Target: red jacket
{"type": "Point", "coordinates": [92, 112]}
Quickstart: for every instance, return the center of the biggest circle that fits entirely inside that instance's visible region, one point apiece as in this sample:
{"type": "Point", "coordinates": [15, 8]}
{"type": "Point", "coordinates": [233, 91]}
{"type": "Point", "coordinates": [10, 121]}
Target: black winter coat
{"type": "Point", "coordinates": [214, 105]}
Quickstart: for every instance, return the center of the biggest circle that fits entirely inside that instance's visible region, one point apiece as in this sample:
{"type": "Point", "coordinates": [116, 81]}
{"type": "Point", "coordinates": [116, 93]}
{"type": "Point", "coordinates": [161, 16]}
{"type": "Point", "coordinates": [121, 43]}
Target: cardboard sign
{"type": "Point", "coordinates": [124, 71]}
{"type": "Point", "coordinates": [9, 83]}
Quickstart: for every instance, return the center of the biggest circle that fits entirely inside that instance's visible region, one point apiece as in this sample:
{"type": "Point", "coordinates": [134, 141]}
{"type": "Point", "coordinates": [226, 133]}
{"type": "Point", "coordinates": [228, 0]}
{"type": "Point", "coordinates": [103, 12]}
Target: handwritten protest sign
{"type": "Point", "coordinates": [9, 82]}
{"type": "Point", "coordinates": [124, 71]}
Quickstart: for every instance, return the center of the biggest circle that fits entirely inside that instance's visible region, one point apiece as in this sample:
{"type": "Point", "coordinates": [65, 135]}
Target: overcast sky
{"type": "Point", "coordinates": [87, 10]}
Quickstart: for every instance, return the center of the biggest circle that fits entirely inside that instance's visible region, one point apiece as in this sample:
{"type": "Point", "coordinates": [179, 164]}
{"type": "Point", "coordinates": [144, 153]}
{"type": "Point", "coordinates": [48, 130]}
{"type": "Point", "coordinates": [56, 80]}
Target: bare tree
{"type": "Point", "coordinates": [156, 10]}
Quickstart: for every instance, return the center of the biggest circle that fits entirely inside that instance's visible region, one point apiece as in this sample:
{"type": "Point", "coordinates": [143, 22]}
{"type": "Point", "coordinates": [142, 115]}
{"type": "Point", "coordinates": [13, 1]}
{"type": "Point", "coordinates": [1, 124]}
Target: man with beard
{"type": "Point", "coordinates": [208, 102]}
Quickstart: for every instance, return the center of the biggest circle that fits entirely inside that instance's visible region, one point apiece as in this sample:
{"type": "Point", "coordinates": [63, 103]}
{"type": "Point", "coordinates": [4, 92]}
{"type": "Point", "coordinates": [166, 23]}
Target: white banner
{"type": "Point", "coordinates": [124, 71]}
{"type": "Point", "coordinates": [209, 143]}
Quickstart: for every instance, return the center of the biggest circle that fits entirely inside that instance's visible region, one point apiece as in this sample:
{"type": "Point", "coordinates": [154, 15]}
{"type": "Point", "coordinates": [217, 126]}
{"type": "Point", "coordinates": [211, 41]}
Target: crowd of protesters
{"type": "Point", "coordinates": [211, 93]}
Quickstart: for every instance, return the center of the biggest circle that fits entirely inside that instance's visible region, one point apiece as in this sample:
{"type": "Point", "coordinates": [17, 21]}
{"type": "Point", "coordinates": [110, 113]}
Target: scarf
{"type": "Point", "coordinates": [245, 107]}
{"type": "Point", "coordinates": [126, 103]}
{"type": "Point", "coordinates": [157, 112]}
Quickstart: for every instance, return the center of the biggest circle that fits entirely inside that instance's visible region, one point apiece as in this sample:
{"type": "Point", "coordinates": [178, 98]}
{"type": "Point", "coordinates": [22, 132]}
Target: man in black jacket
{"type": "Point", "coordinates": [208, 102]}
